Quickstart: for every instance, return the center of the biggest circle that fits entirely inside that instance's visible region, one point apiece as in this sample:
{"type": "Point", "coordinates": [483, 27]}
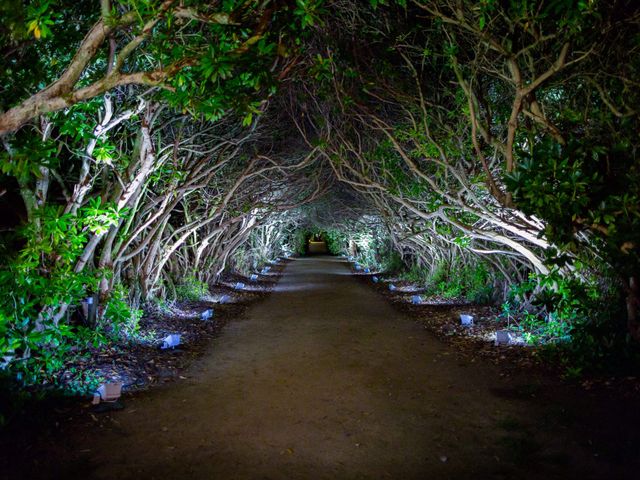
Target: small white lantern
{"type": "Point", "coordinates": [6, 360]}
{"type": "Point", "coordinates": [109, 392]}
{"type": "Point", "coordinates": [171, 341]}
{"type": "Point", "coordinates": [504, 337]}
{"type": "Point", "coordinates": [466, 320]}
{"type": "Point", "coordinates": [416, 299]}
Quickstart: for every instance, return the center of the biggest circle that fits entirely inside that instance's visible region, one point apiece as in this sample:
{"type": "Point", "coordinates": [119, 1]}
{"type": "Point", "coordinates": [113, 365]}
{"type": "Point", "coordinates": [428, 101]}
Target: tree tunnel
{"type": "Point", "coordinates": [484, 150]}
{"type": "Point", "coordinates": [316, 243]}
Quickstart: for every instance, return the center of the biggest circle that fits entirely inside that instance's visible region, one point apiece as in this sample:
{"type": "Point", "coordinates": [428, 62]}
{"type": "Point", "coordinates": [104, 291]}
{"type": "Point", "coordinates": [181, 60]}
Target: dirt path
{"type": "Point", "coordinates": [325, 380]}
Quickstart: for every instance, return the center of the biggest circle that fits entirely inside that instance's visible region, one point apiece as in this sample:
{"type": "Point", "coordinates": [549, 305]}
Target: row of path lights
{"type": "Point", "coordinates": [111, 392]}
{"type": "Point", "coordinates": [503, 337]}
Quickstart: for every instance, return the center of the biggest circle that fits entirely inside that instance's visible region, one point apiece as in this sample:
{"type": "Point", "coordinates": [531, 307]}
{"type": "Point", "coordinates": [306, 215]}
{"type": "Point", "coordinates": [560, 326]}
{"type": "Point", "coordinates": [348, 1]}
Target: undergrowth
{"type": "Point", "coordinates": [191, 289]}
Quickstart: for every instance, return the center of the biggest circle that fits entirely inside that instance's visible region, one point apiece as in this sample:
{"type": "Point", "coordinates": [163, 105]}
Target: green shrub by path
{"type": "Point", "coordinates": [390, 260]}
{"type": "Point", "coordinates": [41, 324]}
{"type": "Point", "coordinates": [335, 241]}
{"type": "Point", "coordinates": [581, 322]}
{"type": "Point", "coordinates": [472, 283]}
{"type": "Point", "coordinates": [191, 289]}
{"type": "Point", "coordinates": [120, 319]}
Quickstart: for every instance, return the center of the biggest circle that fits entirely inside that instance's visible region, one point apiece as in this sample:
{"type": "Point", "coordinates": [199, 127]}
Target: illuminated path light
{"type": "Point", "coordinates": [170, 341]}
{"type": "Point", "coordinates": [466, 320]}
{"type": "Point", "coordinates": [108, 392]}
{"type": "Point", "coordinates": [325, 379]}
{"type": "Point", "coordinates": [503, 337]}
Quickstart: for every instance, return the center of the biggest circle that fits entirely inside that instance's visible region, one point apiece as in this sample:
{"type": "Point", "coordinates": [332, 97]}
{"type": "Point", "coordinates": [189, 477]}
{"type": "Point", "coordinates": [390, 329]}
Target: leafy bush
{"type": "Point", "coordinates": [390, 260]}
{"type": "Point", "coordinates": [336, 241]}
{"type": "Point", "coordinates": [470, 282]}
{"type": "Point", "coordinates": [38, 288]}
{"type": "Point", "coordinates": [192, 289]}
{"type": "Point", "coordinates": [581, 321]}
{"type": "Point", "coordinates": [546, 308]}
{"type": "Point", "coordinates": [120, 320]}
{"type": "Point", "coordinates": [40, 291]}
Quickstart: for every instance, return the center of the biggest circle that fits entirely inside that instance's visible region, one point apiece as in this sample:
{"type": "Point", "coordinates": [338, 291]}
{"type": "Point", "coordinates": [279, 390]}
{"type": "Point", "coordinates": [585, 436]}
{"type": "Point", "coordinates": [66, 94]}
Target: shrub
{"type": "Point", "coordinates": [38, 291]}
{"type": "Point", "coordinates": [390, 260]}
{"type": "Point", "coordinates": [191, 289]}
{"type": "Point", "coordinates": [580, 321]}
{"type": "Point", "coordinates": [121, 321]}
{"type": "Point", "coordinates": [470, 282]}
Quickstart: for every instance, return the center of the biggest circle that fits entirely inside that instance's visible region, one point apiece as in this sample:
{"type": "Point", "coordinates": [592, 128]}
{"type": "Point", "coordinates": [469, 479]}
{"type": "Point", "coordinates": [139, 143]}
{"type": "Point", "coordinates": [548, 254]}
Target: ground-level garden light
{"type": "Point", "coordinates": [108, 392]}
{"type": "Point", "coordinates": [170, 341]}
{"type": "Point", "coordinates": [466, 320]}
